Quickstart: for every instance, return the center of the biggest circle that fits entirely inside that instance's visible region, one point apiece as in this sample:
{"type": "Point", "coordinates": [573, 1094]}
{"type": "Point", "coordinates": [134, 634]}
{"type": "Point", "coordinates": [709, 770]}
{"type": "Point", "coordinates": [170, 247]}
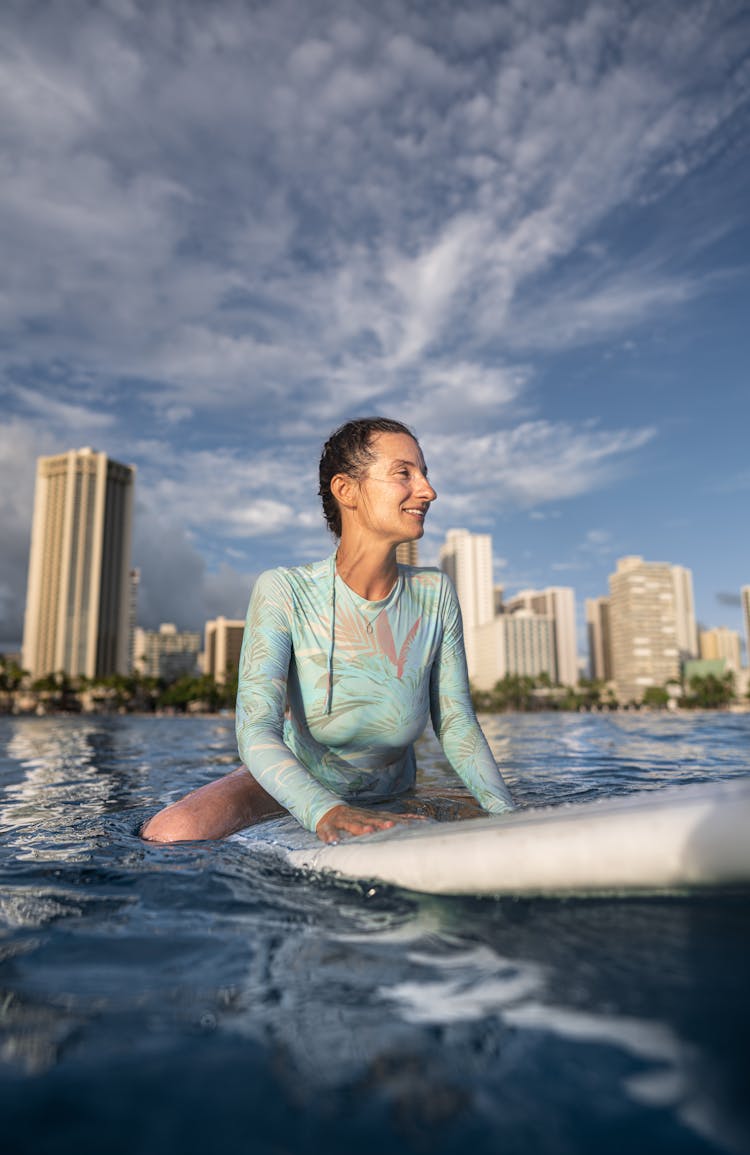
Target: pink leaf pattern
{"type": "Point", "coordinates": [405, 648]}
{"type": "Point", "coordinates": [385, 638]}
{"type": "Point", "coordinates": [387, 645]}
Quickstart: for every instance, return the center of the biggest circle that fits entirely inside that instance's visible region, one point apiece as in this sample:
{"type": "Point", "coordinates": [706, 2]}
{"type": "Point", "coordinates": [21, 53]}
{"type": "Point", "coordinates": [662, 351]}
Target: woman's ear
{"type": "Point", "coordinates": [345, 490]}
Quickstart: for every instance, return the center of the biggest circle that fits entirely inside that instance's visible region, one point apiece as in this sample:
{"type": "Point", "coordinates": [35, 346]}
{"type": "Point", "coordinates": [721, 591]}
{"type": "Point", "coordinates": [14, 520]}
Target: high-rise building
{"type": "Point", "coordinates": [519, 643]}
{"type": "Point", "coordinates": [77, 601]}
{"type": "Point", "coordinates": [721, 643]}
{"type": "Point", "coordinates": [643, 626]}
{"type": "Point", "coordinates": [467, 560]}
{"type": "Point", "coordinates": [135, 581]}
{"type": "Point", "coordinates": [557, 603]}
{"type": "Point", "coordinates": [745, 595]}
{"type": "Point", "coordinates": [407, 553]}
{"type": "Point", "coordinates": [684, 608]}
{"type": "Point", "coordinates": [166, 653]}
{"type": "Point", "coordinates": [223, 643]}
{"type": "Point", "coordinates": [600, 645]}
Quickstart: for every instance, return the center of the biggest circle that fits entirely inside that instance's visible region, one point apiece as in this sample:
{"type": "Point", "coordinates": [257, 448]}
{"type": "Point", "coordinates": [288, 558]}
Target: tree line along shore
{"type": "Point", "coordinates": [114, 694]}
{"type": "Point", "coordinates": [519, 692]}
{"type": "Point", "coordinates": [202, 694]}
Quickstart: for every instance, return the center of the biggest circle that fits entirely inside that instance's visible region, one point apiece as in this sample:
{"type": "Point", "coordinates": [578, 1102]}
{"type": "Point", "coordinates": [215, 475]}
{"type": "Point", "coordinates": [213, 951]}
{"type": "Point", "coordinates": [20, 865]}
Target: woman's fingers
{"type": "Point", "coordinates": [353, 821]}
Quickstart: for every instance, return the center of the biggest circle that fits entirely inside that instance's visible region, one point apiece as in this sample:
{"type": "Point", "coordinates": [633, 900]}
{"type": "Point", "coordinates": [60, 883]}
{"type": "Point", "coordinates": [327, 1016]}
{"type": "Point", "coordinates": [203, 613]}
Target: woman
{"type": "Point", "coordinates": [363, 650]}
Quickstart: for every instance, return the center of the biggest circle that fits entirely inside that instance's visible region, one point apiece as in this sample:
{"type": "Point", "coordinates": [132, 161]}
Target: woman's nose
{"type": "Point", "coordinates": [426, 492]}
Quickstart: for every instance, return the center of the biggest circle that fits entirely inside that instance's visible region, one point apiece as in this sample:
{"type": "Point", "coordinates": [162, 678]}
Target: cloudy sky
{"type": "Point", "coordinates": [520, 227]}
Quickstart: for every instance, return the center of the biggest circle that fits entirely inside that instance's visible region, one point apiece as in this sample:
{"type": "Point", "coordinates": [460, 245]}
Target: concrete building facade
{"type": "Point", "coordinates": [166, 653]}
{"type": "Point", "coordinates": [643, 627]}
{"type": "Point", "coordinates": [407, 553]}
{"type": "Point", "coordinates": [599, 641]}
{"type": "Point", "coordinates": [721, 643]}
{"type": "Point", "coordinates": [520, 643]}
{"type": "Point", "coordinates": [557, 603]}
{"type": "Point", "coordinates": [222, 646]}
{"type": "Point", "coordinates": [78, 593]}
{"type": "Point", "coordinates": [684, 608]}
{"type": "Point", "coordinates": [467, 560]}
{"type": "Point", "coordinates": [134, 585]}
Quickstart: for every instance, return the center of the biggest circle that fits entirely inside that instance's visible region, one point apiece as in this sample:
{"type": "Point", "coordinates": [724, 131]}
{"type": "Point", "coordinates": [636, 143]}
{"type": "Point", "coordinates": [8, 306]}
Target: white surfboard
{"type": "Point", "coordinates": [678, 837]}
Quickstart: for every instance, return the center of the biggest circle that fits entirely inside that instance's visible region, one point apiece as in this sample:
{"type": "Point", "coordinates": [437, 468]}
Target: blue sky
{"type": "Point", "coordinates": [522, 228]}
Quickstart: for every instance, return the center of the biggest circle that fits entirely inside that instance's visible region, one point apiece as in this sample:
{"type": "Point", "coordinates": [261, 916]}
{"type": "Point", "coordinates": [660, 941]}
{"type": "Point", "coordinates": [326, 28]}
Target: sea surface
{"type": "Point", "coordinates": [201, 997]}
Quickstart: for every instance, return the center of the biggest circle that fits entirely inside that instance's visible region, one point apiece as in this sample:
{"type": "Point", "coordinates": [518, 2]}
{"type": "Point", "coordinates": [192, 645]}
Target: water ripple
{"type": "Point", "coordinates": [379, 1019]}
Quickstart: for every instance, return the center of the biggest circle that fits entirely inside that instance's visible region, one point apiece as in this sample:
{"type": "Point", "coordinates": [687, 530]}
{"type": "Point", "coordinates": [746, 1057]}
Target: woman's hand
{"type": "Point", "coordinates": [346, 821]}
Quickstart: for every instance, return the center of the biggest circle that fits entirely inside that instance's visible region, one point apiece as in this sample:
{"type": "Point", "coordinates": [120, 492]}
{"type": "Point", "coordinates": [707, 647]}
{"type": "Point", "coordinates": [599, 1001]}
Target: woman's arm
{"type": "Point", "coordinates": [261, 700]}
{"type": "Point", "coordinates": [453, 717]}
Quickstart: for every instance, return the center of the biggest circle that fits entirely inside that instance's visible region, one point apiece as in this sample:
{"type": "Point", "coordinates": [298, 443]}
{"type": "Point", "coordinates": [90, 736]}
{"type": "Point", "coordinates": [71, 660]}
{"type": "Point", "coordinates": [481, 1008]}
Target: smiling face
{"type": "Point", "coordinates": [394, 495]}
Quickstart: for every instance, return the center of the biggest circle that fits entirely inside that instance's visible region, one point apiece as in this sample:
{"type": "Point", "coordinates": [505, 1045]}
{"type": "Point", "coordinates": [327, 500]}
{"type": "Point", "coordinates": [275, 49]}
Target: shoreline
{"type": "Point", "coordinates": [735, 708]}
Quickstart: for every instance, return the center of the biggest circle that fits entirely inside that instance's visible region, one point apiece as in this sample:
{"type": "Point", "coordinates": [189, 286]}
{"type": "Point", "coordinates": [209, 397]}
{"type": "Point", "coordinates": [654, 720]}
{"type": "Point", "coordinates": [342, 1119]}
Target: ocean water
{"type": "Point", "coordinates": [200, 997]}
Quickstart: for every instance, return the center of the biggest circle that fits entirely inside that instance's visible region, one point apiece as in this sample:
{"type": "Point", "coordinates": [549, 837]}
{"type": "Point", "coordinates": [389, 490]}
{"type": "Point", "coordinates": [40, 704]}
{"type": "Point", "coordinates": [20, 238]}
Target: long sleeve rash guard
{"type": "Point", "coordinates": [360, 679]}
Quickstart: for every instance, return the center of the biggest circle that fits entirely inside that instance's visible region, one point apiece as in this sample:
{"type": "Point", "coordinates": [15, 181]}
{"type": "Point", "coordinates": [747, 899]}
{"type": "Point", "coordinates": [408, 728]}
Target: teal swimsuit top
{"type": "Point", "coordinates": [360, 680]}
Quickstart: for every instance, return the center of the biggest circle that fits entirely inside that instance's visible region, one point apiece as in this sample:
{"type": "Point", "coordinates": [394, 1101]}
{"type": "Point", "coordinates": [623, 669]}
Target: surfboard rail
{"type": "Point", "coordinates": [677, 837]}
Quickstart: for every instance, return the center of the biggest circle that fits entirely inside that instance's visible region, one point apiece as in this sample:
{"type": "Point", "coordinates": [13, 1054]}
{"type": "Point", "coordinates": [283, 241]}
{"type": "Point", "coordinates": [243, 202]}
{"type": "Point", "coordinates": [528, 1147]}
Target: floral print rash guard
{"type": "Point", "coordinates": [360, 680]}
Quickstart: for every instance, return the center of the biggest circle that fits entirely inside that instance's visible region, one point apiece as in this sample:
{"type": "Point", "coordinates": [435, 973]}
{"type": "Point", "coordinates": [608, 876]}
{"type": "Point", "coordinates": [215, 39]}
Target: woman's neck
{"type": "Point", "coordinates": [371, 570]}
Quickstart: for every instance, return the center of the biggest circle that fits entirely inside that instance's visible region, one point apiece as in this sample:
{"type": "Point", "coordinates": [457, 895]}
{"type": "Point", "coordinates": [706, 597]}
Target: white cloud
{"type": "Point", "coordinates": [160, 165]}
{"type": "Point", "coordinates": [463, 395]}
{"type": "Point", "coordinates": [598, 539]}
{"type": "Point", "coordinates": [176, 584]}
{"type": "Point", "coordinates": [227, 496]}
{"type": "Point", "coordinates": [594, 310]}
{"type": "Point", "coordinates": [428, 284]}
{"type": "Point", "coordinates": [20, 444]}
{"type": "Point", "coordinates": [738, 482]}
{"type": "Point", "coordinates": [595, 551]}
{"type": "Point", "coordinates": [66, 419]}
{"type": "Point", "coordinates": [234, 226]}
{"type": "Point", "coordinates": [535, 462]}
{"type": "Point", "coordinates": [565, 566]}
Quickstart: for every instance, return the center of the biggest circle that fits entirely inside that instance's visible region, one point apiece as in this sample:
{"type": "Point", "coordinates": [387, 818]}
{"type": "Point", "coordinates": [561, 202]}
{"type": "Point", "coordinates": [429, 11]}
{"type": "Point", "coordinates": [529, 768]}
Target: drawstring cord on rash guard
{"type": "Point", "coordinates": [329, 701]}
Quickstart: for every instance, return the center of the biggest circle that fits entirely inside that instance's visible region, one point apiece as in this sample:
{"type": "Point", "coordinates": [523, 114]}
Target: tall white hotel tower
{"type": "Point", "coordinates": [77, 602]}
{"type": "Point", "coordinates": [467, 560]}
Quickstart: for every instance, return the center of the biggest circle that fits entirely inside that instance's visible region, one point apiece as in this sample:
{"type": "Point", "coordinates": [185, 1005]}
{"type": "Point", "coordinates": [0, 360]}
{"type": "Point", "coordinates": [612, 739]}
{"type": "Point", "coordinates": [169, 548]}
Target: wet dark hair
{"type": "Point", "coordinates": [349, 450]}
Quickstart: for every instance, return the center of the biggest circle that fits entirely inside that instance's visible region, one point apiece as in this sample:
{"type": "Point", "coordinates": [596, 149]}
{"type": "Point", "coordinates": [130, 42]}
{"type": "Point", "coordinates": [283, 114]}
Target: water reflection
{"type": "Point", "coordinates": [447, 1009]}
{"type": "Point", "coordinates": [571, 757]}
{"type": "Point", "coordinates": [361, 1007]}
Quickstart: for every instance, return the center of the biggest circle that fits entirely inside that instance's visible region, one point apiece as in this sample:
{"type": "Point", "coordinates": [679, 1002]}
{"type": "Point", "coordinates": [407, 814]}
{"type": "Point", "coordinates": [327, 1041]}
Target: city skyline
{"type": "Point", "coordinates": [523, 232]}
{"type": "Point", "coordinates": [466, 557]}
{"type": "Point", "coordinates": [81, 614]}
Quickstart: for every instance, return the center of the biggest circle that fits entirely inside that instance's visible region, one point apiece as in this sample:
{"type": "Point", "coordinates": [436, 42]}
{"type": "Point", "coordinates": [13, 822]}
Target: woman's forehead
{"type": "Point", "coordinates": [397, 447]}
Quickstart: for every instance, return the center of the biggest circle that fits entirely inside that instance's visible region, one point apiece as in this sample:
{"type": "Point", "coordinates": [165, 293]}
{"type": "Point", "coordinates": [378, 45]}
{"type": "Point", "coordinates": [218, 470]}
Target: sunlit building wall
{"type": "Point", "coordinates": [522, 643]}
{"type": "Point", "coordinates": [684, 608]}
{"type": "Point", "coordinates": [135, 581]}
{"type": "Point", "coordinates": [407, 553]}
{"type": "Point", "coordinates": [166, 653]}
{"type": "Point", "coordinates": [643, 627]}
{"type": "Point", "coordinates": [745, 595]}
{"type": "Point", "coordinates": [600, 645]}
{"type": "Point", "coordinates": [467, 560]}
{"type": "Point", "coordinates": [558, 603]}
{"type": "Point", "coordinates": [78, 593]}
{"type": "Point", "coordinates": [222, 646]}
{"type": "Point", "coordinates": [721, 643]}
